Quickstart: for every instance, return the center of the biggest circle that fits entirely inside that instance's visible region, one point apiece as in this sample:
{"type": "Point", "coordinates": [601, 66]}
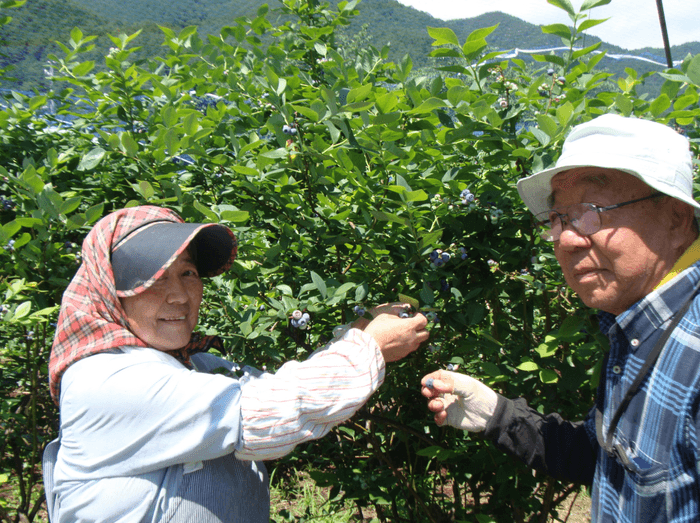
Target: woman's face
{"type": "Point", "coordinates": [164, 315]}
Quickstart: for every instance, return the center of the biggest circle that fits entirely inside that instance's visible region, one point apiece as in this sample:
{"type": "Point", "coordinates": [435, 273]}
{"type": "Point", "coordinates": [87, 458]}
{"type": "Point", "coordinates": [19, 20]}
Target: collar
{"type": "Point", "coordinates": [647, 316]}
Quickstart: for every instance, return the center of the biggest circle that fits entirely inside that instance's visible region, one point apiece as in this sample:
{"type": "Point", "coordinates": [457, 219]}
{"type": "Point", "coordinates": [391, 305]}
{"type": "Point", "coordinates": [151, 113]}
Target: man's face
{"type": "Point", "coordinates": [634, 249]}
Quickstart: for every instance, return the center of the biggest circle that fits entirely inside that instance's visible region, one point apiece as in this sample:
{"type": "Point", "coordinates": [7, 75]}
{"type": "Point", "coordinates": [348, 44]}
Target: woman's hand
{"type": "Point", "coordinates": [397, 336]}
{"type": "Point", "coordinates": [394, 308]}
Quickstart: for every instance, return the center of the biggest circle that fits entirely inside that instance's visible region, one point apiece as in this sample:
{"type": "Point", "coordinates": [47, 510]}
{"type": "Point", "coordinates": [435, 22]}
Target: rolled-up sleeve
{"type": "Point", "coordinates": [304, 400]}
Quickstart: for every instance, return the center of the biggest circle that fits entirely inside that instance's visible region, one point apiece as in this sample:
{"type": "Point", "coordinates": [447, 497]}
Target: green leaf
{"type": "Point", "coordinates": [32, 180]}
{"type": "Point", "coordinates": [480, 34]}
{"type": "Point", "coordinates": [388, 217]}
{"type": "Point", "coordinates": [129, 145]}
{"type": "Point", "coordinates": [92, 159]}
{"type": "Point", "coordinates": [361, 292]}
{"type": "Point", "coordinates": [308, 113]}
{"type": "Point", "coordinates": [429, 105]}
{"type": "Point", "coordinates": [528, 366]}
{"type": "Point", "coordinates": [416, 196]}
{"type": "Point", "coordinates": [471, 48]}
{"type": "Point", "coordinates": [557, 29]}
{"type": "Point", "coordinates": [69, 205]}
{"type": "Point", "coordinates": [587, 24]}
{"type": "Point", "coordinates": [660, 104]}
{"type": "Point", "coordinates": [565, 5]}
{"type": "Point", "coordinates": [624, 104]}
{"type": "Point", "coordinates": [590, 4]}
{"type": "Point", "coordinates": [547, 124]}
{"type": "Point", "coordinates": [22, 310]}
{"type": "Point", "coordinates": [411, 301]}
{"type": "Point", "coordinates": [235, 216]}
{"type": "Point", "coordinates": [145, 189]}
{"type": "Point", "coordinates": [570, 327]}
{"type": "Point", "coordinates": [693, 71]}
{"type": "Point", "coordinates": [443, 36]}
{"type": "Point", "coordinates": [320, 284]}
{"type": "Point", "coordinates": [359, 93]}
{"type": "Point", "coordinates": [564, 114]}
{"type": "Point", "coordinates": [548, 376]}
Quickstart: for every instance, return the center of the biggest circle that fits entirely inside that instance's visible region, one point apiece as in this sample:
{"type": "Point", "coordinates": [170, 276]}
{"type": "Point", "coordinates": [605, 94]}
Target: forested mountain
{"type": "Point", "coordinates": [31, 36]}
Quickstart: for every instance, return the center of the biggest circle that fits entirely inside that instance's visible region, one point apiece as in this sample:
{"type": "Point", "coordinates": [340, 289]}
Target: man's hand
{"type": "Point", "coordinates": [397, 336]}
{"type": "Point", "coordinates": [459, 400]}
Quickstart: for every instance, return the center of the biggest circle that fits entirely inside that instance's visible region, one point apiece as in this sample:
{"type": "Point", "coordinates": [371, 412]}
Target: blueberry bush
{"type": "Point", "coordinates": [349, 181]}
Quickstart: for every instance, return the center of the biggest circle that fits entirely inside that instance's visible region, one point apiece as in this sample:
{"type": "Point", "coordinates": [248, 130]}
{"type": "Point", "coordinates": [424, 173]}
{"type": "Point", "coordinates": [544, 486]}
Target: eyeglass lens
{"type": "Point", "coordinates": [582, 216]}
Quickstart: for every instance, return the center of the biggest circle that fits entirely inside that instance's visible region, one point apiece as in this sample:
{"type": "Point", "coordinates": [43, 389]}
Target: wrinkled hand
{"type": "Point", "coordinates": [459, 400]}
{"type": "Point", "coordinates": [396, 336]}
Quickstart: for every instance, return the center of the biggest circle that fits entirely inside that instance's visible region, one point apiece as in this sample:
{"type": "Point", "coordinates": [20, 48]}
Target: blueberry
{"type": "Point", "coordinates": [404, 314]}
{"type": "Point", "coordinates": [491, 263]}
{"type": "Point", "coordinates": [550, 72]}
{"type": "Point", "coordinates": [445, 256]}
{"type": "Point", "coordinates": [30, 335]}
{"type": "Point", "coordinates": [434, 255]}
{"type": "Point", "coordinates": [286, 129]}
{"type": "Point", "coordinates": [359, 310]}
{"type": "Point", "coordinates": [450, 367]}
{"type": "Point", "coordinates": [297, 314]}
{"type": "Point", "coordinates": [429, 383]}
{"type": "Point", "coordinates": [469, 198]}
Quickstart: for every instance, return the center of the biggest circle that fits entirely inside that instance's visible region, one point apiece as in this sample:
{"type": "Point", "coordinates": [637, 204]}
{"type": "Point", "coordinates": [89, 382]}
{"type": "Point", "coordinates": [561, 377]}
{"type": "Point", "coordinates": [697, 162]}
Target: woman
{"type": "Point", "coordinates": [147, 433]}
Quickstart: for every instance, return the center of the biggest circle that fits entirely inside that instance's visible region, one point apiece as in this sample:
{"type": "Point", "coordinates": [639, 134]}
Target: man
{"type": "Point", "coordinates": [618, 206]}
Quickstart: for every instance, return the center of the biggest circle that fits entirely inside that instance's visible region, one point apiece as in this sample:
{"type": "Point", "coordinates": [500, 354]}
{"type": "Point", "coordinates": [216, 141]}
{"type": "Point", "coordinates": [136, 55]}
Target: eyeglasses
{"type": "Point", "coordinates": [583, 217]}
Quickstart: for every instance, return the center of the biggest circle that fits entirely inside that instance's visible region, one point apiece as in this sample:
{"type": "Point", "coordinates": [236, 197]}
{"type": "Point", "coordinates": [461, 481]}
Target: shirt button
{"type": "Point", "coordinates": [616, 369]}
{"type": "Point", "coordinates": [634, 342]}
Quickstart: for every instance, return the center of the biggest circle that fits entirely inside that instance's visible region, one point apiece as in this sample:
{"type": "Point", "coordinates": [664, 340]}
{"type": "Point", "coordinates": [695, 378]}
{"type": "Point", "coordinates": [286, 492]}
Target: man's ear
{"type": "Point", "coordinates": [684, 228]}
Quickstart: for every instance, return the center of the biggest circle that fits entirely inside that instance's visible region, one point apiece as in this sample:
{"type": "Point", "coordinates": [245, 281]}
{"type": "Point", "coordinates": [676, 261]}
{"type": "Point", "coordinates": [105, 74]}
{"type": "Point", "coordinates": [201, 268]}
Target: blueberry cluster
{"type": "Point", "coordinates": [467, 196]}
{"type": "Point", "coordinates": [30, 335]}
{"type": "Point", "coordinates": [439, 258]}
{"type": "Point", "coordinates": [300, 320]}
{"type": "Point", "coordinates": [10, 246]}
{"type": "Point", "coordinates": [289, 129]}
{"type": "Point", "coordinates": [7, 205]}
{"type": "Point", "coordinates": [360, 311]}
{"type": "Point", "coordinates": [464, 254]}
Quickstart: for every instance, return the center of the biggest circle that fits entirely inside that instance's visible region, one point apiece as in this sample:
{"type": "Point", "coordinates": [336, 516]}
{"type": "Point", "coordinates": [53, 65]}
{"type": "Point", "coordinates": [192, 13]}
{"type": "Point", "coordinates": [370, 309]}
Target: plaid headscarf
{"type": "Point", "coordinates": [91, 319]}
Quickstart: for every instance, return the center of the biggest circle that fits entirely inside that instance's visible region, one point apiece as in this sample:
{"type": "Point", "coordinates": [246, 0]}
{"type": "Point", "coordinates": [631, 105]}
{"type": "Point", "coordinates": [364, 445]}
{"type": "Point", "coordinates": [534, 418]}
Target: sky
{"type": "Point", "coordinates": [632, 24]}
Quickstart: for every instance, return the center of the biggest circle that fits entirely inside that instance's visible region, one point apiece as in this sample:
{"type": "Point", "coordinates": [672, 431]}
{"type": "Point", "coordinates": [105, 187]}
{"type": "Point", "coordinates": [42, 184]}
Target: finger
{"type": "Point", "coordinates": [436, 405]}
{"type": "Point", "coordinates": [440, 418]}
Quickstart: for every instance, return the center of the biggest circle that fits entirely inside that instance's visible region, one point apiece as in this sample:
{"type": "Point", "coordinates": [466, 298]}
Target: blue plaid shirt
{"type": "Point", "coordinates": [659, 429]}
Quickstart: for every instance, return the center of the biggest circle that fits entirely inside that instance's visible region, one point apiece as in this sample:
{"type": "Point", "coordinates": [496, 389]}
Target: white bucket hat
{"type": "Point", "coordinates": [653, 152]}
